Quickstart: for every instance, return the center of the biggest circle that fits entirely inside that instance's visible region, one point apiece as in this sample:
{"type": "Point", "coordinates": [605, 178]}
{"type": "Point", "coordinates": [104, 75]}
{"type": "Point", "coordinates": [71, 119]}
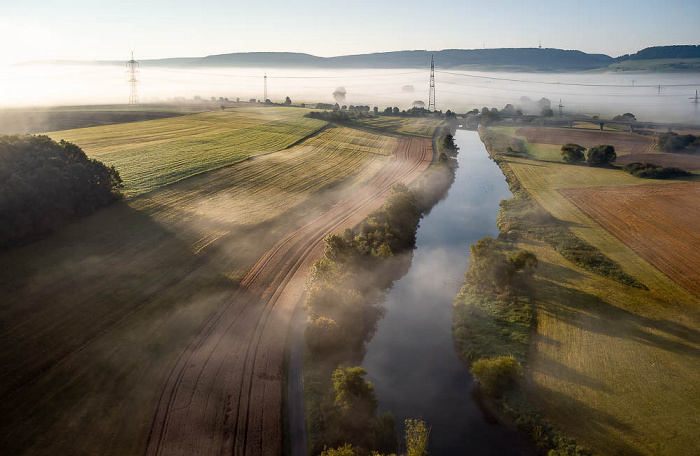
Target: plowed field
{"type": "Point", "coordinates": [225, 394]}
{"type": "Point", "coordinates": [687, 162]}
{"type": "Point", "coordinates": [658, 222]}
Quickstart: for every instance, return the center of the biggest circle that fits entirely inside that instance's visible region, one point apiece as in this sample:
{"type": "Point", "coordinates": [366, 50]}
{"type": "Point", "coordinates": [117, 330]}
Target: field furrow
{"type": "Point", "coordinates": [152, 154]}
{"type": "Point", "coordinates": [225, 394]}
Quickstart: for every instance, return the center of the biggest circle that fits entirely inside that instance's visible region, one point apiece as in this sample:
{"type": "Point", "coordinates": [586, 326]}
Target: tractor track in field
{"type": "Point", "coordinates": [224, 396]}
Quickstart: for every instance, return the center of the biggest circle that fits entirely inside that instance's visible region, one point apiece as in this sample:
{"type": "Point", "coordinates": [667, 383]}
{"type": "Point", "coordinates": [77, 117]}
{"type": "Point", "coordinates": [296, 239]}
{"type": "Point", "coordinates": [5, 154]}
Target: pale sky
{"type": "Point", "coordinates": [109, 30]}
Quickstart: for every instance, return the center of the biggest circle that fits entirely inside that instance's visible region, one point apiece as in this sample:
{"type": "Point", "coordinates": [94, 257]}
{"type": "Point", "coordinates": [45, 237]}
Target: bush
{"type": "Point", "coordinates": [673, 142]}
{"type": "Point", "coordinates": [572, 153]}
{"type": "Point", "coordinates": [651, 171]}
{"type": "Point", "coordinates": [602, 155]}
{"type": "Point", "coordinates": [496, 375]}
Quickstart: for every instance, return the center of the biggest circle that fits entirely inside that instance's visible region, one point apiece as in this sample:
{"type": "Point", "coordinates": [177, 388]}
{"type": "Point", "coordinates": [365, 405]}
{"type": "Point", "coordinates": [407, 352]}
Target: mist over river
{"type": "Point", "coordinates": [411, 359]}
{"type": "Point", "coordinates": [652, 96]}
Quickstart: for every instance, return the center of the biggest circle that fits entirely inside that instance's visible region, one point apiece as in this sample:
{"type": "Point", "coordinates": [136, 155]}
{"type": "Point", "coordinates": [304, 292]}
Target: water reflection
{"type": "Point", "coordinates": [411, 359]}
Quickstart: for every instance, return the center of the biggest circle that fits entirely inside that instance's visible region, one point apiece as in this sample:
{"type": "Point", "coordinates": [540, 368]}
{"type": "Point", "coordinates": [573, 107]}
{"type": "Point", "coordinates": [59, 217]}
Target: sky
{"type": "Point", "coordinates": [110, 30]}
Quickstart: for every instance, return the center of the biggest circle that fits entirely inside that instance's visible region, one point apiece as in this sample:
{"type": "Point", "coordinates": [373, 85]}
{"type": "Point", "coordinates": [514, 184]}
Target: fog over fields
{"type": "Point", "coordinates": [586, 93]}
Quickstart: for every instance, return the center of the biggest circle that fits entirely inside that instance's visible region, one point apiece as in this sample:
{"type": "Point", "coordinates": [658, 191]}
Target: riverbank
{"type": "Point", "coordinates": [344, 305]}
{"type": "Point", "coordinates": [492, 323]}
{"type": "Point", "coordinates": [602, 347]}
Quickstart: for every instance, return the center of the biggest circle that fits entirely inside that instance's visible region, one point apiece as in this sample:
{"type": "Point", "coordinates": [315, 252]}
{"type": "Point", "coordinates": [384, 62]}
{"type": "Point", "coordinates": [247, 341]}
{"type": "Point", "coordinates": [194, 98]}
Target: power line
{"type": "Point", "coordinates": [577, 84]}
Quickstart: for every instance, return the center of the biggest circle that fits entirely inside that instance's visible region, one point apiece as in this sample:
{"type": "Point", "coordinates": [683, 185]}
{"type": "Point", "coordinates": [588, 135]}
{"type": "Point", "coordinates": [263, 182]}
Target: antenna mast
{"type": "Point", "coordinates": [132, 65]}
{"type": "Point", "coordinates": [265, 91]}
{"type": "Point", "coordinates": [431, 94]}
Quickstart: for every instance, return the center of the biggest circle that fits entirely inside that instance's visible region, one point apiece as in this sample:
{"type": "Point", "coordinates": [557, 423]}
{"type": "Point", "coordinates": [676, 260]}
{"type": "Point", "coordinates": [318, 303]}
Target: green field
{"type": "Point", "coordinates": [415, 126]}
{"type": "Point", "coordinates": [155, 153]}
{"type": "Point", "coordinates": [95, 316]}
{"type": "Point", "coordinates": [616, 367]}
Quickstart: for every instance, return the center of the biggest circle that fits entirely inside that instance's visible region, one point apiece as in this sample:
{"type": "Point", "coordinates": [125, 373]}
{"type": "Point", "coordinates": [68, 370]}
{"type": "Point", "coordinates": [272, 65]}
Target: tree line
{"type": "Point", "coordinates": [44, 184]}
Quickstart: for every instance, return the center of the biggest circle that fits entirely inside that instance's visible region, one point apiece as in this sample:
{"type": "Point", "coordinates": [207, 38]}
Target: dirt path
{"type": "Point", "coordinates": [225, 394]}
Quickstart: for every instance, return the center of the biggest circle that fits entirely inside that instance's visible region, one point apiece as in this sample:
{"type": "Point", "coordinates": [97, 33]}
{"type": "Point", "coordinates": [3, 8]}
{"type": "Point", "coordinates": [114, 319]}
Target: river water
{"type": "Point", "coordinates": [411, 359]}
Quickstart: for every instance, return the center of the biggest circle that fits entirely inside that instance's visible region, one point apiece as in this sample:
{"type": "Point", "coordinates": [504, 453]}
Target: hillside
{"type": "Point", "coordinates": [674, 58]}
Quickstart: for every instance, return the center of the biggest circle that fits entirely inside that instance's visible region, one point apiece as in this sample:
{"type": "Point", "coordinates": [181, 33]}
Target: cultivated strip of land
{"type": "Point", "coordinates": [614, 366]}
{"type": "Point", "coordinates": [156, 153]}
{"type": "Point", "coordinates": [96, 316]}
{"type": "Point", "coordinates": [225, 394]}
{"type": "Point", "coordinates": [660, 223]}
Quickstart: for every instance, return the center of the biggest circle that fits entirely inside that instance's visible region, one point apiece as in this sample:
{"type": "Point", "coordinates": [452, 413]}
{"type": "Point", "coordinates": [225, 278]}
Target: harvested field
{"type": "Point", "coordinates": [415, 126]}
{"type": "Point", "coordinates": [660, 223]}
{"type": "Point", "coordinates": [224, 396]}
{"type": "Point", "coordinates": [688, 162]}
{"type": "Point", "coordinates": [603, 351]}
{"type": "Point", "coordinates": [155, 153]}
{"type": "Point", "coordinates": [96, 316]}
{"type": "Point", "coordinates": [623, 142]}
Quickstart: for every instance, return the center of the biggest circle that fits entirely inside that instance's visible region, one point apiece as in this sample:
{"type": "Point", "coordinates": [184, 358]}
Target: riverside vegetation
{"type": "Point", "coordinates": [494, 312]}
{"type": "Point", "coordinates": [600, 310]}
{"type": "Point", "coordinates": [343, 303]}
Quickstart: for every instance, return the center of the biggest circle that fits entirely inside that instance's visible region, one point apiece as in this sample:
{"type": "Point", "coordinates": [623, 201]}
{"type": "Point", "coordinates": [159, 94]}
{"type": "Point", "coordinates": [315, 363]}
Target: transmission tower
{"type": "Point", "coordinates": [560, 106]}
{"type": "Point", "coordinates": [695, 100]}
{"type": "Point", "coordinates": [431, 94]}
{"type": "Point", "coordinates": [132, 66]}
{"type": "Point", "coordinates": [265, 90]}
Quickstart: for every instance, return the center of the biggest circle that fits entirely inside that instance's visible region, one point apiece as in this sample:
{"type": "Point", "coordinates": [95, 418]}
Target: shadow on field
{"type": "Point", "coordinates": [584, 419]}
{"type": "Point", "coordinates": [590, 313]}
{"type": "Point", "coordinates": [555, 369]}
{"type": "Point", "coordinates": [93, 317]}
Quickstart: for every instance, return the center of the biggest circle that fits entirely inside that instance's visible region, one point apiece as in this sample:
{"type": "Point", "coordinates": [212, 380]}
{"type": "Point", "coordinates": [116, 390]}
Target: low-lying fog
{"type": "Point", "coordinates": [587, 93]}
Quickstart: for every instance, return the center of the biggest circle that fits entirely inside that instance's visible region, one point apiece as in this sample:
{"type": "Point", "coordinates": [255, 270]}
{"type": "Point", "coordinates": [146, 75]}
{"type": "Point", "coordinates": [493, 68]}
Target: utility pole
{"type": "Point", "coordinates": [265, 91]}
{"type": "Point", "coordinates": [132, 65]}
{"type": "Point", "coordinates": [560, 107]}
{"type": "Point", "coordinates": [431, 93]}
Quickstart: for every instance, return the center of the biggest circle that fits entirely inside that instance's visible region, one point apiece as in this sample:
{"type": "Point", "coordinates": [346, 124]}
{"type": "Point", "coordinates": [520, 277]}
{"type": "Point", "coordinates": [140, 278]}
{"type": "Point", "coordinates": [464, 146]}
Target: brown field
{"type": "Point", "coordinates": [623, 142]}
{"type": "Point", "coordinates": [660, 223]}
{"type": "Point", "coordinates": [225, 394]}
{"type": "Point", "coordinates": [687, 162]}
{"type": "Point", "coordinates": [95, 317]}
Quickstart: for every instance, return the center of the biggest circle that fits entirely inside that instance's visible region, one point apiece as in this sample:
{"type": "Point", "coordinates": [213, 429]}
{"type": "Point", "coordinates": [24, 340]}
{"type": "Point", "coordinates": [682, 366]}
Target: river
{"type": "Point", "coordinates": [411, 359]}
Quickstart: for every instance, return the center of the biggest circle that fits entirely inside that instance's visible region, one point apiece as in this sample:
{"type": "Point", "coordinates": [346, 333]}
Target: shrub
{"type": "Point", "coordinates": [323, 335]}
{"type": "Point", "coordinates": [601, 155]}
{"type": "Point", "coordinates": [651, 171]}
{"type": "Point", "coordinates": [572, 153]}
{"type": "Point", "coordinates": [673, 142]}
{"type": "Point", "coordinates": [496, 375]}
